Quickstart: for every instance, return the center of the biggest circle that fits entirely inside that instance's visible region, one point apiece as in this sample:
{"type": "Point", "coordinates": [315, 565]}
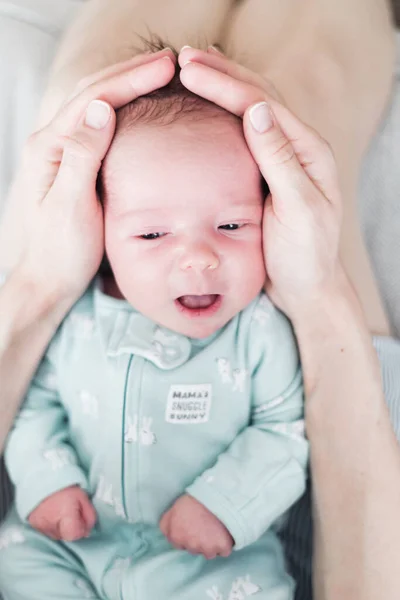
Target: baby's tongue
{"type": "Point", "coordinates": [198, 301]}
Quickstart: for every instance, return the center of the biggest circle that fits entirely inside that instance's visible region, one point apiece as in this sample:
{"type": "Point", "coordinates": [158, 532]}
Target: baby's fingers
{"type": "Point", "coordinates": [72, 527]}
{"type": "Point", "coordinates": [88, 514]}
{"type": "Point", "coordinates": [293, 159]}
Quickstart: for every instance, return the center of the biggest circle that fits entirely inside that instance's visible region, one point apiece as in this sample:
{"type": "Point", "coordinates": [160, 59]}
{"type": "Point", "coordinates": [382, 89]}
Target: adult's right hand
{"type": "Point", "coordinates": [52, 228]}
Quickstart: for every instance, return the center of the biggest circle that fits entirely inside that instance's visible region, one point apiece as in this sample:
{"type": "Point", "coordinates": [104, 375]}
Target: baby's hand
{"type": "Point", "coordinates": [188, 525]}
{"type": "Point", "coordinates": [66, 515]}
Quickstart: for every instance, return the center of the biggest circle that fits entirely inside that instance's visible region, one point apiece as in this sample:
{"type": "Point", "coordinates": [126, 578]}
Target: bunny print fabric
{"type": "Point", "coordinates": [138, 415]}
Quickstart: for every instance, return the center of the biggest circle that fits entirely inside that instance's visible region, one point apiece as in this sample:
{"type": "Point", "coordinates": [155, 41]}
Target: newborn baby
{"type": "Point", "coordinates": [164, 427]}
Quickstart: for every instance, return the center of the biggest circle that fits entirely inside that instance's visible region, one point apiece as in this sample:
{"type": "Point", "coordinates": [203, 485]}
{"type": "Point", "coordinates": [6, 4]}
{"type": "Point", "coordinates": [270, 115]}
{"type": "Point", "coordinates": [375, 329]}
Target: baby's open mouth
{"type": "Point", "coordinates": [198, 302]}
{"type": "Point", "coordinates": [198, 307]}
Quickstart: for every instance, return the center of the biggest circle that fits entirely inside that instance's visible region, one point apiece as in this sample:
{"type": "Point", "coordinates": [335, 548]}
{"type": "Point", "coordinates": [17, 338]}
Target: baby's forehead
{"type": "Point", "coordinates": [193, 157]}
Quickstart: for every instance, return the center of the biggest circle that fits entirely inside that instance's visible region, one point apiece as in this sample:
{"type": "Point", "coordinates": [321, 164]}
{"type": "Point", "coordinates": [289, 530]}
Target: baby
{"type": "Point", "coordinates": [164, 427]}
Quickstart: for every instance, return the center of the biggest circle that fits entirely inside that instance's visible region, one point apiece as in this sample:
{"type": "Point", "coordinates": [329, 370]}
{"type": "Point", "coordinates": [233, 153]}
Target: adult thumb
{"type": "Point", "coordinates": [85, 149]}
{"type": "Point", "coordinates": [275, 154]}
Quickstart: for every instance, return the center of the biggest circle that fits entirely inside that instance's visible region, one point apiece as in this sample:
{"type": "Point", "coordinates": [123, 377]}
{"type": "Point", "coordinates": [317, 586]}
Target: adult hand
{"type": "Point", "coordinates": [53, 227]}
{"type": "Point", "coordinates": [188, 525]}
{"type": "Point", "coordinates": [302, 216]}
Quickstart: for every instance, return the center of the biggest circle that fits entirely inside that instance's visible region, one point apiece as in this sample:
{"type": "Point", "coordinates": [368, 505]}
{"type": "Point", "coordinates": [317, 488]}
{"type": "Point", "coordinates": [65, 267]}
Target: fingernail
{"type": "Point", "coordinates": [98, 114]}
{"type": "Point", "coordinates": [184, 48]}
{"type": "Point", "coordinates": [261, 117]}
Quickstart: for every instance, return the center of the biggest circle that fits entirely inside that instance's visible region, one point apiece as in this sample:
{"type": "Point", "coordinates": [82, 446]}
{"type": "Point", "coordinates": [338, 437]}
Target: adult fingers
{"type": "Point", "coordinates": [292, 158]}
{"type": "Point", "coordinates": [121, 67]}
{"type": "Point", "coordinates": [221, 63]}
{"type": "Point", "coordinates": [221, 88]}
{"type": "Point", "coordinates": [116, 90]}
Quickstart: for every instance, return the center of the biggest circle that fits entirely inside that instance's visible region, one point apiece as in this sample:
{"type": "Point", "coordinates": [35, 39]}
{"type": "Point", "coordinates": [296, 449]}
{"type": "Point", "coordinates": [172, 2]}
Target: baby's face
{"type": "Point", "coordinates": [183, 210]}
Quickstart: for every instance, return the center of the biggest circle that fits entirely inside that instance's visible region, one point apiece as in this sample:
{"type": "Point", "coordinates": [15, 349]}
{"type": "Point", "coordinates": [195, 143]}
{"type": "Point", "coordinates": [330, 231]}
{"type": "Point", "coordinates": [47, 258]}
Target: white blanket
{"type": "Point", "coordinates": [29, 33]}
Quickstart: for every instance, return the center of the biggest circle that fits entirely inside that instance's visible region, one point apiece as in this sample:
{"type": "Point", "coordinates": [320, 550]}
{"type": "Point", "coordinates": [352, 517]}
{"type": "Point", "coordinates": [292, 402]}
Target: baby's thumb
{"type": "Point", "coordinates": [275, 155]}
{"type": "Point", "coordinates": [84, 150]}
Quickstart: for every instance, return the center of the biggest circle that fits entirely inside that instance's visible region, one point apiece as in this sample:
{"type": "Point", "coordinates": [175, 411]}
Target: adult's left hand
{"type": "Point", "coordinates": [302, 216]}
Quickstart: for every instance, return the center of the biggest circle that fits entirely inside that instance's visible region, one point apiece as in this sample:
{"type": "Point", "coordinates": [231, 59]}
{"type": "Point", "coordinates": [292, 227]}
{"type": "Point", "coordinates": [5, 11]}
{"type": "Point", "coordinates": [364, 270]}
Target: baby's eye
{"type": "Point", "coordinates": [151, 236]}
{"type": "Point", "coordinates": [230, 227]}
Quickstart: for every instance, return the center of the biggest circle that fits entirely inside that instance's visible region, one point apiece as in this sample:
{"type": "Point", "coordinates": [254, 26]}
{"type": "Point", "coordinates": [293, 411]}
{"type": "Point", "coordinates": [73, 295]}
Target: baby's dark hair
{"type": "Point", "coordinates": [168, 104]}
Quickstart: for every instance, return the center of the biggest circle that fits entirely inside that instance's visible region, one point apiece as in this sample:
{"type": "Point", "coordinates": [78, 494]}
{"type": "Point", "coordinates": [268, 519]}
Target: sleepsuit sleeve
{"type": "Point", "coordinates": [38, 455]}
{"type": "Point", "coordinates": [263, 472]}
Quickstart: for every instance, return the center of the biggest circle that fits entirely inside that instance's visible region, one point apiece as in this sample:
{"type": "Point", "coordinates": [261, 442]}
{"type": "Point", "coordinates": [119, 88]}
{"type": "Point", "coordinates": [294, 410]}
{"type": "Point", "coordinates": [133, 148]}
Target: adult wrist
{"type": "Point", "coordinates": [33, 302]}
{"type": "Point", "coordinates": [334, 309]}
{"type": "Point", "coordinates": [333, 336]}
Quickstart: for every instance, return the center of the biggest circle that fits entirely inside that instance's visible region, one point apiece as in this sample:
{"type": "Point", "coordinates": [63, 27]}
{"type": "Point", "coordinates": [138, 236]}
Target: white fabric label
{"type": "Point", "coordinates": [189, 404]}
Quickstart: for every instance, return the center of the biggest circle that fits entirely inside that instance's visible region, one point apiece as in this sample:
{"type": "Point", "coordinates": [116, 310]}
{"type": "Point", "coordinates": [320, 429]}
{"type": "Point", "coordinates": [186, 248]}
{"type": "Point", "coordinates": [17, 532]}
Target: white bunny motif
{"type": "Point", "coordinates": [224, 369]}
{"type": "Point", "coordinates": [12, 535]}
{"type": "Point", "coordinates": [214, 593]}
{"type": "Point", "coordinates": [248, 586]}
{"type": "Point", "coordinates": [263, 310]}
{"type": "Point", "coordinates": [236, 592]}
{"type": "Point", "coordinates": [90, 404]}
{"type": "Point", "coordinates": [131, 430]}
{"type": "Point", "coordinates": [58, 458]}
{"type": "Point", "coordinates": [83, 325]}
{"type": "Point", "coordinates": [161, 351]}
{"type": "Point", "coordinates": [241, 588]}
{"type": "Point", "coordinates": [104, 493]}
{"type": "Point", "coordinates": [239, 379]}
{"type": "Point", "coordinates": [147, 437]}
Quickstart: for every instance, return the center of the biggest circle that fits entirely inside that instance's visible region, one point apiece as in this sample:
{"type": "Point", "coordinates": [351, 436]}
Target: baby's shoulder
{"type": "Point", "coordinates": [262, 317]}
{"type": "Point", "coordinates": [266, 329]}
{"type": "Point", "coordinates": [78, 324]}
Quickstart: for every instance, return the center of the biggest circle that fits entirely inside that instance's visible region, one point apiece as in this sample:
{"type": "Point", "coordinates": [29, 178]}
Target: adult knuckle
{"type": "Point", "coordinates": [78, 151]}
{"type": "Point", "coordinates": [282, 151]}
{"type": "Point", "coordinates": [83, 83]}
{"type": "Point", "coordinates": [326, 147]}
{"type": "Point", "coordinates": [33, 140]}
{"type": "Point", "coordinates": [34, 143]}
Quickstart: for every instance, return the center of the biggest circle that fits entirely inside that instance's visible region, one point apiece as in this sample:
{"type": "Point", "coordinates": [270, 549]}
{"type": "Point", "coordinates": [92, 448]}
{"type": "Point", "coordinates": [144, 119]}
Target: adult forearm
{"type": "Point", "coordinates": [355, 458]}
{"type": "Point", "coordinates": [28, 320]}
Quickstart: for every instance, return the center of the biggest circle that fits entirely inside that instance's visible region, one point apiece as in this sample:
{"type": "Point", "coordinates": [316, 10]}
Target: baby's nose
{"type": "Point", "coordinates": [199, 257]}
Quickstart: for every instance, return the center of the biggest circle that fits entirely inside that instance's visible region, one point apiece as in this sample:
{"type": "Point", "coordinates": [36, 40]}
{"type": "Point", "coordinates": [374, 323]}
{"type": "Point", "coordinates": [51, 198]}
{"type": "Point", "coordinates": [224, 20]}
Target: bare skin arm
{"type": "Point", "coordinates": [32, 318]}
{"type": "Point", "coordinates": [355, 457]}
